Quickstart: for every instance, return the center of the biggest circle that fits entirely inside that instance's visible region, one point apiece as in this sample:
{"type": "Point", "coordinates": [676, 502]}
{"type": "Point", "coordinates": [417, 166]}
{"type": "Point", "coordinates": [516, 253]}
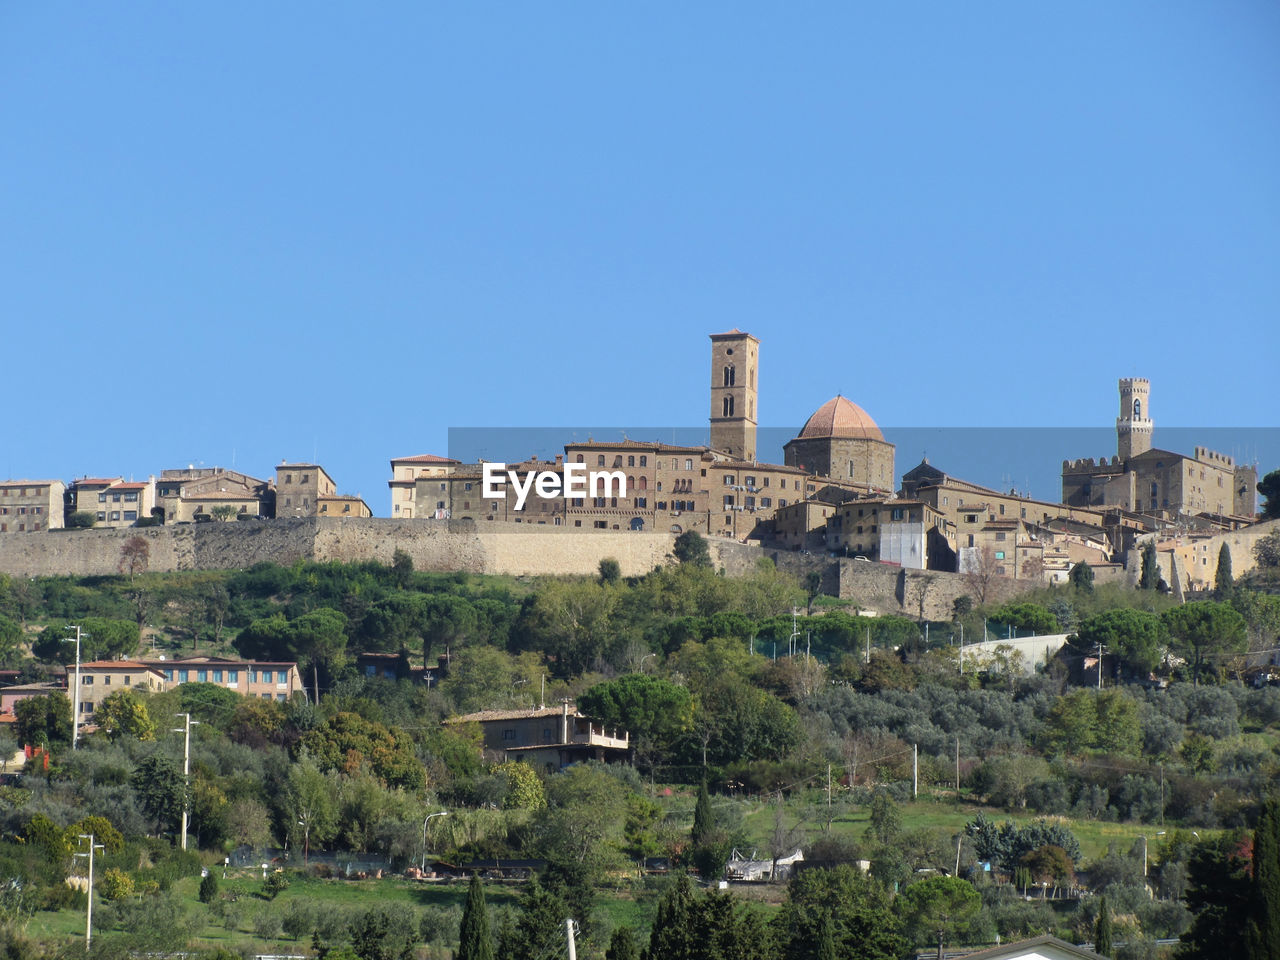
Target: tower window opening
{"type": "Point", "coordinates": [730, 376]}
{"type": "Point", "coordinates": [1137, 409]}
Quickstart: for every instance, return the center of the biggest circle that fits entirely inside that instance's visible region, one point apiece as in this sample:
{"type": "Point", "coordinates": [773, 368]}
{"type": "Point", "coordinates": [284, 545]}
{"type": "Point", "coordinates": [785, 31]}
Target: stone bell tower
{"type": "Point", "coordinates": [734, 359]}
{"type": "Point", "coordinates": [1133, 426]}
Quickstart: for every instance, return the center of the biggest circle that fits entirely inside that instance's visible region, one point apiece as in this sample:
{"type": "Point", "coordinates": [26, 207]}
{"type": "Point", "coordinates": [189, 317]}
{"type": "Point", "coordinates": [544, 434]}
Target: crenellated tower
{"type": "Point", "coordinates": [1133, 426]}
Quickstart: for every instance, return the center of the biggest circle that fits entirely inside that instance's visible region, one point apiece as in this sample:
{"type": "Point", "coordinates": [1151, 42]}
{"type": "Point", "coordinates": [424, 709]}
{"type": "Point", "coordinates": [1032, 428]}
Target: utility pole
{"type": "Point", "coordinates": [828, 798]}
{"type": "Point", "coordinates": [868, 659]}
{"type": "Point", "coordinates": [185, 730]}
{"type": "Point", "coordinates": [88, 917]}
{"type": "Point", "coordinates": [569, 931]}
{"type": "Point", "coordinates": [957, 768]}
{"type": "Point", "coordinates": [962, 648]}
{"type": "Point", "coordinates": [1100, 649]}
{"type": "Point", "coordinates": [75, 695]}
{"type": "Point", "coordinates": [915, 770]}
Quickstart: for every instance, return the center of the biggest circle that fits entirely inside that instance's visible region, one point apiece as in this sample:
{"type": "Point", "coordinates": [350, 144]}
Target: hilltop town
{"type": "Point", "coordinates": [836, 493]}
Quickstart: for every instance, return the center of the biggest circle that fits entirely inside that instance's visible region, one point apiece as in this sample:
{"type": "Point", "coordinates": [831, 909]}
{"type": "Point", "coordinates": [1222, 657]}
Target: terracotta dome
{"type": "Point", "coordinates": [842, 419]}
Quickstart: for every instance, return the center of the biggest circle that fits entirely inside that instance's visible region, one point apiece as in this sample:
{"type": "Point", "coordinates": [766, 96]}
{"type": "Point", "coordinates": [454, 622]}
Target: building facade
{"type": "Point", "coordinates": [112, 501]}
{"type": "Point", "coordinates": [841, 441]}
{"type": "Point", "coordinates": [405, 474]}
{"type": "Point", "coordinates": [195, 493]}
{"type": "Point", "coordinates": [31, 506]}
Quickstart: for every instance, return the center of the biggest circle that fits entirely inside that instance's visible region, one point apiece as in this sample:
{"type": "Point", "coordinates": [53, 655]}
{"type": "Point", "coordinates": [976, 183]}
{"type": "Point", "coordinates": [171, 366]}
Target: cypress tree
{"type": "Point", "coordinates": [622, 945]}
{"type": "Point", "coordinates": [1081, 577]}
{"type": "Point", "coordinates": [1224, 582]}
{"type": "Point", "coordinates": [474, 941]}
{"type": "Point", "coordinates": [670, 937]}
{"type": "Point", "coordinates": [1102, 930]}
{"type": "Point", "coordinates": [1262, 935]}
{"type": "Point", "coordinates": [1150, 578]}
{"type": "Point", "coordinates": [703, 820]}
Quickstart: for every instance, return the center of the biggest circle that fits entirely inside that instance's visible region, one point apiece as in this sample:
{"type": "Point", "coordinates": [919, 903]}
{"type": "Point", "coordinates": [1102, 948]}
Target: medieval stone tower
{"type": "Point", "coordinates": [733, 393]}
{"type": "Point", "coordinates": [1133, 426]}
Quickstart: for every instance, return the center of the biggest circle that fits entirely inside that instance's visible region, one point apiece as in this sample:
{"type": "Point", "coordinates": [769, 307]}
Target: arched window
{"type": "Point", "coordinates": [579, 460]}
{"type": "Point", "coordinates": [1137, 409]}
{"type": "Point", "coordinates": [631, 461]}
{"type": "Point", "coordinates": [728, 407]}
{"type": "Point", "coordinates": [600, 460]}
{"type": "Point", "coordinates": [729, 375]}
{"type": "Point", "coordinates": [644, 482]}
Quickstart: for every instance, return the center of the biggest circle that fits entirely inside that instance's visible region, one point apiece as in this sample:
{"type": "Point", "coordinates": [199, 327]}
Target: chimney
{"type": "Point", "coordinates": [564, 721]}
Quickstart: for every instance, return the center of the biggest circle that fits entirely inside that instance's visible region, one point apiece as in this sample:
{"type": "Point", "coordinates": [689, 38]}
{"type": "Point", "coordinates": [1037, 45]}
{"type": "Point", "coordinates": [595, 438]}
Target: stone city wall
{"type": "Point", "coordinates": [440, 545]}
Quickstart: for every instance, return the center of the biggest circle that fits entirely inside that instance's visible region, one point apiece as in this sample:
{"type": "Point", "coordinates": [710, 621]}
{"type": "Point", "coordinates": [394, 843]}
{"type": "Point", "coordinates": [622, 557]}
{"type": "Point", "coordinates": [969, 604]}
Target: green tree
{"type": "Point", "coordinates": [123, 714]}
{"type": "Point", "coordinates": [1102, 930]}
{"type": "Point", "coordinates": [309, 805]}
{"type": "Point", "coordinates": [1026, 616]}
{"type": "Point", "coordinates": [622, 945]}
{"type": "Point", "coordinates": [385, 932]}
{"type": "Point", "coordinates": [570, 622]}
{"type": "Point", "coordinates": [1262, 934]}
{"type": "Point", "coordinates": [1205, 630]}
{"type": "Point", "coordinates": [610, 571]}
{"type": "Point", "coordinates": [862, 922]}
{"type": "Point", "coordinates": [161, 790]}
{"type": "Point", "coordinates": [670, 938]}
{"type": "Point", "coordinates": [81, 520]}
{"type": "Point", "coordinates": [654, 711]}
{"type": "Point", "coordinates": [1081, 577]}
{"type": "Point", "coordinates": [937, 909]}
{"type": "Point", "coordinates": [1224, 583]}
{"type": "Point", "coordinates": [12, 638]}
{"type": "Point", "coordinates": [1269, 487]}
{"type": "Point", "coordinates": [43, 721]}
{"type": "Point", "coordinates": [1219, 895]}
{"type": "Point", "coordinates": [541, 926]}
{"type": "Point", "coordinates": [525, 789]}
{"type": "Point", "coordinates": [691, 548]}
{"type": "Point", "coordinates": [474, 940]}
{"type": "Point", "coordinates": [347, 741]}
{"type": "Point", "coordinates": [1135, 636]}
{"type": "Point", "coordinates": [1149, 578]}
{"type": "Point", "coordinates": [401, 567]}
{"type": "Point", "coordinates": [102, 638]}
{"type": "Point", "coordinates": [885, 820]}
{"type": "Point", "coordinates": [1267, 550]}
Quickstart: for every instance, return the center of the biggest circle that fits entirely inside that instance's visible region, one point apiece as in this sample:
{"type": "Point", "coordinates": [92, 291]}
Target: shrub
{"type": "Point", "coordinates": [115, 884]}
{"type": "Point", "coordinates": [275, 884]}
{"type": "Point", "coordinates": [209, 887]}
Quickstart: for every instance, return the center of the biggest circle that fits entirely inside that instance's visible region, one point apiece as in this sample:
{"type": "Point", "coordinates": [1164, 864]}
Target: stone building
{"type": "Point", "coordinates": [189, 494]}
{"type": "Point", "coordinates": [31, 506]}
{"type": "Point", "coordinates": [840, 440]}
{"type": "Point", "coordinates": [307, 490]}
{"type": "Point", "coordinates": [1144, 479]}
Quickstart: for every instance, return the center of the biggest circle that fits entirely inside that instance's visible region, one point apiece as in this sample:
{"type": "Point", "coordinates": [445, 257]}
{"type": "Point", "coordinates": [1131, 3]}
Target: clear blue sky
{"type": "Point", "coordinates": [284, 230]}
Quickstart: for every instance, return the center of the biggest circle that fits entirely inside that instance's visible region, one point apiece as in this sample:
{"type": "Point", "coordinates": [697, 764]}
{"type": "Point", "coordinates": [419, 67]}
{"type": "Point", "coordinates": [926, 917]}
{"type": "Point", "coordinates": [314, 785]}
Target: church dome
{"type": "Point", "coordinates": [842, 419]}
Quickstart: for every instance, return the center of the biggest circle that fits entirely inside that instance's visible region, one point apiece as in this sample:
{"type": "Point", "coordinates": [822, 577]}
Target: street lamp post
{"type": "Point", "coordinates": [442, 813]}
{"type": "Point", "coordinates": [75, 695]}
{"type": "Point", "coordinates": [88, 916]}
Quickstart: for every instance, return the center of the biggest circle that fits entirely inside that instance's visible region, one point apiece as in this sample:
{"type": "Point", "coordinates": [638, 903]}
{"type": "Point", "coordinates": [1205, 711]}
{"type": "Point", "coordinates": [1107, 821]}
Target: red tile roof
{"type": "Point", "coordinates": [96, 481]}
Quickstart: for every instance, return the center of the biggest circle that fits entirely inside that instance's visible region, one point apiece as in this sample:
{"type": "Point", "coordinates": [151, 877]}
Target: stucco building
{"type": "Point", "coordinates": [307, 490]}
